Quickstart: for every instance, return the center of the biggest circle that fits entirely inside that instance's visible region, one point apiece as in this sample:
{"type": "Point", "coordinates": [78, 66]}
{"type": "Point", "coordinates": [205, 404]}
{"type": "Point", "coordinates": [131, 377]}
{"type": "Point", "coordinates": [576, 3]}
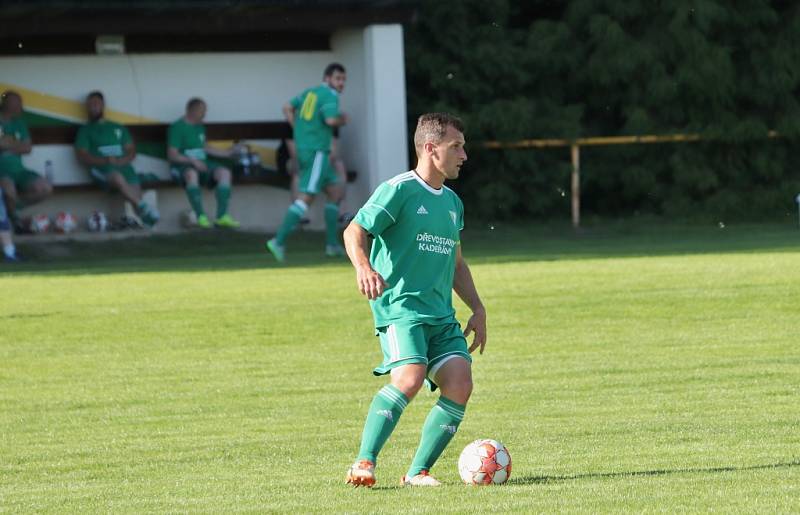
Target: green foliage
{"type": "Point", "coordinates": [518, 70]}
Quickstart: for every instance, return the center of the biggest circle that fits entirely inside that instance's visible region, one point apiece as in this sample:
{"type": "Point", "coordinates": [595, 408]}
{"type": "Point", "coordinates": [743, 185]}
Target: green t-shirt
{"type": "Point", "coordinates": [416, 229]}
{"type": "Point", "coordinates": [16, 128]}
{"type": "Point", "coordinates": [103, 138]}
{"type": "Point", "coordinates": [188, 139]}
{"type": "Point", "coordinates": [312, 107]}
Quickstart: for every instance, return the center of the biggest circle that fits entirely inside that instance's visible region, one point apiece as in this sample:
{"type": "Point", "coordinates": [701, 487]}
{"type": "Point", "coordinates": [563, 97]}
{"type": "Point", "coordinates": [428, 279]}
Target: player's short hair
{"type": "Point", "coordinates": [333, 68]}
{"type": "Point", "coordinates": [194, 102]}
{"type": "Point", "coordinates": [96, 94]}
{"type": "Point", "coordinates": [433, 126]}
{"type": "Point", "coordinates": [6, 94]}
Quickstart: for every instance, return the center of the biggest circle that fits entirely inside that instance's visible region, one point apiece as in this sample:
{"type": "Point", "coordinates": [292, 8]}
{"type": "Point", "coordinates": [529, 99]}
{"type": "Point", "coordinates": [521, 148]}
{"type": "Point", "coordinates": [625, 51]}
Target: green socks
{"type": "Point", "coordinates": [223, 196]}
{"type": "Point", "coordinates": [332, 223]}
{"type": "Point", "coordinates": [384, 412]}
{"type": "Point", "coordinates": [439, 428]}
{"type": "Point", "coordinates": [195, 199]}
{"type": "Point", "coordinates": [290, 220]}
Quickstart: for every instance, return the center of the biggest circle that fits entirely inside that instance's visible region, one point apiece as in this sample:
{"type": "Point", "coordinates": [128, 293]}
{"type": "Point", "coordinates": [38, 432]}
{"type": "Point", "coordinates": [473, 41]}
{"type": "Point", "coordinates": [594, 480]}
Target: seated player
{"type": "Point", "coordinates": [188, 151]}
{"type": "Point", "coordinates": [107, 149]}
{"type": "Point", "coordinates": [15, 141]}
{"type": "Point", "coordinates": [9, 251]}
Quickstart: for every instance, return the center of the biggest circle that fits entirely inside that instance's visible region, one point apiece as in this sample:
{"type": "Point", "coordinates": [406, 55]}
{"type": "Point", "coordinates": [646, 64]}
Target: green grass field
{"type": "Point", "coordinates": [629, 368]}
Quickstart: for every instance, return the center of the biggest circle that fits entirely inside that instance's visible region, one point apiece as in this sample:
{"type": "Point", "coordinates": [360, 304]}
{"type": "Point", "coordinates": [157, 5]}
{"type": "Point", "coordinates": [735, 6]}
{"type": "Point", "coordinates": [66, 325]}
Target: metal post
{"type": "Point", "coordinates": [576, 185]}
{"type": "Point", "coordinates": [798, 208]}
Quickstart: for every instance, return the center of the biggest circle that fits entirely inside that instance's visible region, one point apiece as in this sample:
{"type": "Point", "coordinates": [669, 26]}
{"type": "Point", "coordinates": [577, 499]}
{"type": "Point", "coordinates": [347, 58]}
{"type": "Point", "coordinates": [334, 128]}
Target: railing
{"type": "Point", "coordinates": [575, 145]}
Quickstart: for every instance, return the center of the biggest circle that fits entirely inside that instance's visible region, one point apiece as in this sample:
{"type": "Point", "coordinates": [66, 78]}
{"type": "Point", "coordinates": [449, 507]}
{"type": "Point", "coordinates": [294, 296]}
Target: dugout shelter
{"type": "Point", "coordinates": [246, 58]}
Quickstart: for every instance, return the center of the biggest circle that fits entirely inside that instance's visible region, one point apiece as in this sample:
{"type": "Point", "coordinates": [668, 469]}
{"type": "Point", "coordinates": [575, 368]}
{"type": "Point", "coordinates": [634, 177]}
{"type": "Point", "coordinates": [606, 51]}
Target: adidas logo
{"type": "Point", "coordinates": [422, 210]}
{"type": "Point", "coordinates": [385, 413]}
{"type": "Point", "coordinates": [449, 429]}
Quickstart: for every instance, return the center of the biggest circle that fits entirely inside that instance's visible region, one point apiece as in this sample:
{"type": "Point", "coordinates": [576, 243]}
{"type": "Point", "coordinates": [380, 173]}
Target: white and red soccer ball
{"type": "Point", "coordinates": [97, 222]}
{"type": "Point", "coordinates": [485, 462]}
{"type": "Point", "coordinates": [39, 224]}
{"type": "Point", "coordinates": [65, 223]}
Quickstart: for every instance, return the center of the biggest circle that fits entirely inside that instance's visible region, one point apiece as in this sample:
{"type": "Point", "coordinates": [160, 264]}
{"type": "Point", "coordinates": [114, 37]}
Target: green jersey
{"type": "Point", "coordinates": [189, 139]}
{"type": "Point", "coordinates": [103, 138]}
{"type": "Point", "coordinates": [312, 107]}
{"type": "Point", "coordinates": [416, 230]}
{"type": "Point", "coordinates": [17, 129]}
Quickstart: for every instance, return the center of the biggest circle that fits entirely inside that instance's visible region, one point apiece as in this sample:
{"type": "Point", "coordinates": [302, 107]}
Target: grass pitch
{"type": "Point", "coordinates": [627, 369]}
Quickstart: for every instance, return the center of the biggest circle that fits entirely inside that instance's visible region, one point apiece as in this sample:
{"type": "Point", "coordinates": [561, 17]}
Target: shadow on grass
{"type": "Point", "coordinates": [521, 242]}
{"type": "Point", "coordinates": [529, 480]}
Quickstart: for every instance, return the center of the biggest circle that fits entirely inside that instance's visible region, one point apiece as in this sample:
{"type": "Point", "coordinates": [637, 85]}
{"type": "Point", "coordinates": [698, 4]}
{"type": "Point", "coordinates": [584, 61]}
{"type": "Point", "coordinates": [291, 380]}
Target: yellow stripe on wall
{"type": "Point", "coordinates": [74, 110]}
{"type": "Point", "coordinates": [67, 109]}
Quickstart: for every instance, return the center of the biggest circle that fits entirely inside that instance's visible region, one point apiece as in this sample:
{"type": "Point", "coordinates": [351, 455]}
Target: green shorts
{"type": "Point", "coordinates": [204, 178]}
{"type": "Point", "coordinates": [403, 343]}
{"type": "Point", "coordinates": [100, 174]}
{"type": "Point", "coordinates": [316, 171]}
{"type": "Point", "coordinates": [22, 177]}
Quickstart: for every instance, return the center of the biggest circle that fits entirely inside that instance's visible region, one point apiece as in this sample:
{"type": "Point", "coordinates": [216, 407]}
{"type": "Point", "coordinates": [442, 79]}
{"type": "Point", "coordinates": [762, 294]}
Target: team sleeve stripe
{"type": "Point", "coordinates": [384, 210]}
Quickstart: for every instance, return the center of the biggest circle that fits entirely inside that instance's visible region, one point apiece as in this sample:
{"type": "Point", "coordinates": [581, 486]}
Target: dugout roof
{"type": "Point", "coordinates": [30, 27]}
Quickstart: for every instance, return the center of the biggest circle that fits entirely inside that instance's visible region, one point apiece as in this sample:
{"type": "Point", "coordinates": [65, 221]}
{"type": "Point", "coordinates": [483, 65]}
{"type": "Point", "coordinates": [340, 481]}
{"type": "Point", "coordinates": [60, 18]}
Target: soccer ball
{"type": "Point", "coordinates": [39, 224]}
{"type": "Point", "coordinates": [485, 462]}
{"type": "Point", "coordinates": [65, 223]}
{"type": "Point", "coordinates": [97, 222]}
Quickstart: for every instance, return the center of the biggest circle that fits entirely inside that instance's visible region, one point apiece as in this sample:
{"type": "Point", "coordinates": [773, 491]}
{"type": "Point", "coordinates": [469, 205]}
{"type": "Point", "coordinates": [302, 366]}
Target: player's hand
{"type": "Point", "coordinates": [198, 165]}
{"type": "Point", "coordinates": [370, 282]}
{"type": "Point", "coordinates": [477, 324]}
{"type": "Point", "coordinates": [345, 119]}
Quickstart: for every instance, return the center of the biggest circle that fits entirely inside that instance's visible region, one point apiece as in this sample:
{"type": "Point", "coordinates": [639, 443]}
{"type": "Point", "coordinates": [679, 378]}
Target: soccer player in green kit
{"type": "Point", "coordinates": [313, 114]}
{"type": "Point", "coordinates": [188, 151]}
{"type": "Point", "coordinates": [409, 272]}
{"type": "Point", "coordinates": [15, 141]}
{"type": "Point", "coordinates": [107, 149]}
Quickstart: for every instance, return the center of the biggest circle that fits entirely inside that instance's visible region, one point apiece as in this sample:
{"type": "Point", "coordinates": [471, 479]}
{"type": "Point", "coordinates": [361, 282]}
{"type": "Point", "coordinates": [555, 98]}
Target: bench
{"type": "Point", "coordinates": [156, 134]}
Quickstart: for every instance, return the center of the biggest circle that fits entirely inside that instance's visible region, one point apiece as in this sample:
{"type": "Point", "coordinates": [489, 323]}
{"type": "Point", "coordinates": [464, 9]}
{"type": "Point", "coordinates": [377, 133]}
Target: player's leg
{"type": "Point", "coordinates": [126, 182]}
{"type": "Point", "coordinates": [9, 194]}
{"type": "Point", "coordinates": [191, 181]}
{"type": "Point", "coordinates": [310, 163]}
{"type": "Point", "coordinates": [341, 173]}
{"type": "Point", "coordinates": [222, 177]}
{"type": "Point", "coordinates": [450, 370]}
{"type": "Point", "coordinates": [403, 348]}
{"type": "Point", "coordinates": [9, 250]}
{"type": "Point", "coordinates": [334, 193]}
{"type": "Point", "coordinates": [33, 187]}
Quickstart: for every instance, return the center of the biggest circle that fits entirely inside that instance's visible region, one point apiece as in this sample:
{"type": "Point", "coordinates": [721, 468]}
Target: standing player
{"type": "Point", "coordinates": [107, 149]}
{"type": "Point", "coordinates": [187, 151]}
{"type": "Point", "coordinates": [313, 114]}
{"type": "Point", "coordinates": [409, 274]}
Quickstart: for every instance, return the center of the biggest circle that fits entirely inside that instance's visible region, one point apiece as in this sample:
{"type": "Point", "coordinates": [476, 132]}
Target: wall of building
{"type": "Point", "coordinates": [237, 87]}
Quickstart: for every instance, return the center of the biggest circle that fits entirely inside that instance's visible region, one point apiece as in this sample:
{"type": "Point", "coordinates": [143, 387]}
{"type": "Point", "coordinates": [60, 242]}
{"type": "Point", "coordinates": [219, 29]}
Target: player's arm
{"type": "Point", "coordinates": [15, 146]}
{"type": "Point", "coordinates": [464, 287]}
{"type": "Point", "coordinates": [337, 121]}
{"type": "Point", "coordinates": [225, 153]}
{"type": "Point", "coordinates": [87, 159]}
{"type": "Point", "coordinates": [356, 243]}
{"type": "Point", "coordinates": [129, 153]}
{"type": "Point", "coordinates": [288, 113]}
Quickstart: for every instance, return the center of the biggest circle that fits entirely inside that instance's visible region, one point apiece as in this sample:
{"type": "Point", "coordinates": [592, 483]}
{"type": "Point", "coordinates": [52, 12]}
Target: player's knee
{"type": "Point", "coordinates": [42, 188]}
{"type": "Point", "coordinates": [190, 177]}
{"type": "Point", "coordinates": [223, 176]}
{"type": "Point", "coordinates": [9, 189]}
{"type": "Point", "coordinates": [409, 379]}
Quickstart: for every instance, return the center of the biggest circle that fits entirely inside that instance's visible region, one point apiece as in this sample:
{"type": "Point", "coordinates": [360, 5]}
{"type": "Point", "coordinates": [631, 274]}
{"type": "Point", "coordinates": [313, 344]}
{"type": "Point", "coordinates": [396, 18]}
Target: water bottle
{"type": "Point", "coordinates": [255, 162]}
{"type": "Point", "coordinates": [48, 171]}
{"type": "Point", "coordinates": [244, 159]}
